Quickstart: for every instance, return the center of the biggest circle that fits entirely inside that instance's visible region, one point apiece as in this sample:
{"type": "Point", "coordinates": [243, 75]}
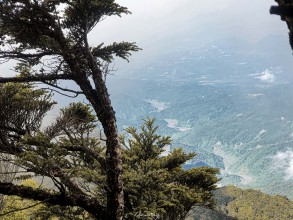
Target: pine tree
{"type": "Point", "coordinates": [158, 186]}
{"type": "Point", "coordinates": [50, 38]}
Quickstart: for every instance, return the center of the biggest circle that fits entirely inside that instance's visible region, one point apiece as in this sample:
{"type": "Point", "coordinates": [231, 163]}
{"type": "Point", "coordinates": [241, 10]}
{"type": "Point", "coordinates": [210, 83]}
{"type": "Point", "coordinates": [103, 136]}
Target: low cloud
{"type": "Point", "coordinates": [284, 161]}
{"type": "Point", "coordinates": [173, 123]}
{"type": "Point", "coordinates": [159, 106]}
{"type": "Point", "coordinates": [266, 76]}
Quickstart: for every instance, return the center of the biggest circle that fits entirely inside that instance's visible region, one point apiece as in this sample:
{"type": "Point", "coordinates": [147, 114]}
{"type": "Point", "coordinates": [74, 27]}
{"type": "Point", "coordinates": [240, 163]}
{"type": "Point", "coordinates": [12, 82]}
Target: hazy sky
{"type": "Point", "coordinates": [163, 26]}
{"type": "Point", "coordinates": [159, 25]}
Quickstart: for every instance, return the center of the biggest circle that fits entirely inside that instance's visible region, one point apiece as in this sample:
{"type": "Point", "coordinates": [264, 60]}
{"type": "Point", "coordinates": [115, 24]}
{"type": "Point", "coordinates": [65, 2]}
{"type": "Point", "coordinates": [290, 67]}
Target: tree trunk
{"type": "Point", "coordinates": [115, 197]}
{"type": "Point", "coordinates": [100, 101]}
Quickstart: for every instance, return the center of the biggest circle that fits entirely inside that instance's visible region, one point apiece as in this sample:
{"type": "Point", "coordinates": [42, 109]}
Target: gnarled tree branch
{"type": "Point", "coordinates": [38, 78]}
{"type": "Point", "coordinates": [89, 204]}
{"type": "Point", "coordinates": [13, 55]}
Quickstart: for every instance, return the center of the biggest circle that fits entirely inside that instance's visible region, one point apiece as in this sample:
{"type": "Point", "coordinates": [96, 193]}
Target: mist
{"type": "Point", "coordinates": [162, 27]}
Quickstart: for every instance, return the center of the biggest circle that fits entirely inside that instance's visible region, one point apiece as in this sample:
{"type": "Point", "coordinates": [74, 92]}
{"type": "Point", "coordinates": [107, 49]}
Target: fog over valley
{"type": "Point", "coordinates": [218, 81]}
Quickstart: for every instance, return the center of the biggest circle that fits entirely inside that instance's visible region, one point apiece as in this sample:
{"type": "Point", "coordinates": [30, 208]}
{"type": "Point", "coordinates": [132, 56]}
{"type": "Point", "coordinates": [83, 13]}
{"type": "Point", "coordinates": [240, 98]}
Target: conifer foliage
{"type": "Point", "coordinates": [51, 39]}
{"type": "Point", "coordinates": [156, 185]}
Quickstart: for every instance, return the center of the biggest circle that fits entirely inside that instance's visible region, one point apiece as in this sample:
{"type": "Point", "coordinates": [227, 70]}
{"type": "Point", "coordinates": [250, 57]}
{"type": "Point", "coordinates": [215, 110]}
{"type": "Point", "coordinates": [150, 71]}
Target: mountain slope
{"type": "Point", "coordinates": [230, 105]}
{"type": "Point", "coordinates": [252, 204]}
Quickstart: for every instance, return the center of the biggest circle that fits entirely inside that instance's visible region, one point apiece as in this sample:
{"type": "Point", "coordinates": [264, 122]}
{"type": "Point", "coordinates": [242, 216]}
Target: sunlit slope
{"type": "Point", "coordinates": [252, 204]}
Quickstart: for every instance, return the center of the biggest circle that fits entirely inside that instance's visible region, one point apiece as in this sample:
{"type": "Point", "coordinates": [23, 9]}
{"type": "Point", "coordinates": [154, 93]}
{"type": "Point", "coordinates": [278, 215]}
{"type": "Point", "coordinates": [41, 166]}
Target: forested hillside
{"type": "Point", "coordinates": [252, 204]}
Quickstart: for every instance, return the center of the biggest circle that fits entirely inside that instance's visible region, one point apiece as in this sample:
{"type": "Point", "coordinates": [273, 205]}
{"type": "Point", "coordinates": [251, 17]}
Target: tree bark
{"type": "Point", "coordinates": [100, 101]}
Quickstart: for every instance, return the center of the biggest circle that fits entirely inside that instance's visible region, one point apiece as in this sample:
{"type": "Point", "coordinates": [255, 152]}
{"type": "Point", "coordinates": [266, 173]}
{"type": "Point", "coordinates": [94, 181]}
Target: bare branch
{"type": "Point", "coordinates": [20, 55]}
{"type": "Point", "coordinates": [89, 152]}
{"type": "Point", "coordinates": [63, 89]}
{"type": "Point", "coordinates": [61, 93]}
{"type": "Point", "coordinates": [38, 78]}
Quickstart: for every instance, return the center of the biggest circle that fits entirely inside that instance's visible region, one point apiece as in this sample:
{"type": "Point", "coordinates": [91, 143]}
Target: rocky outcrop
{"type": "Point", "coordinates": [202, 213]}
{"type": "Point", "coordinates": [285, 10]}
